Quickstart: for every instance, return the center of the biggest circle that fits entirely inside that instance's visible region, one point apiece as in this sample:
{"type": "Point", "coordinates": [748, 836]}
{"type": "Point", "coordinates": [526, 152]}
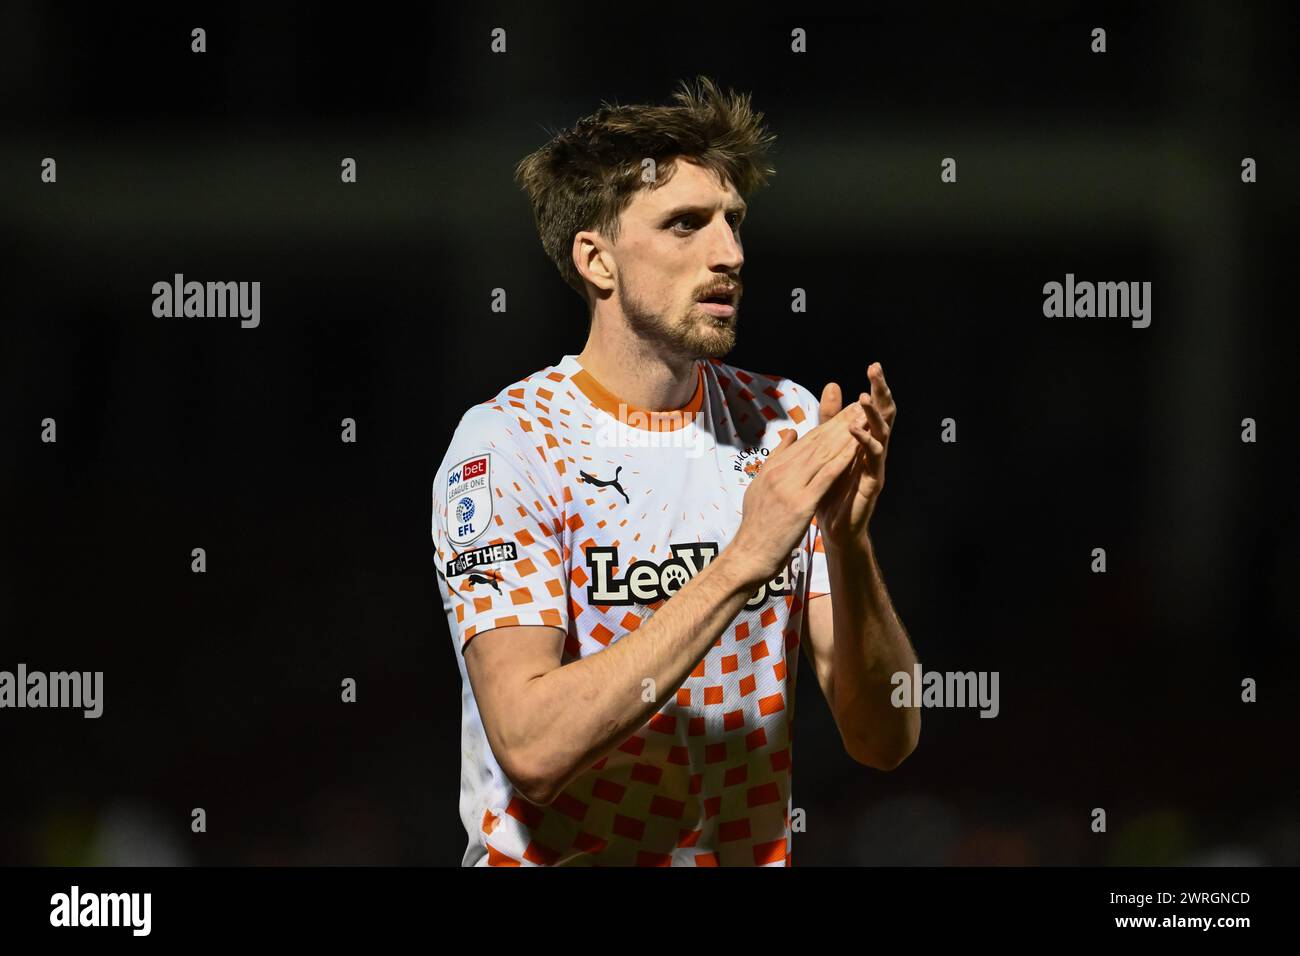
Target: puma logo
{"type": "Point", "coordinates": [605, 482]}
{"type": "Point", "coordinates": [477, 578]}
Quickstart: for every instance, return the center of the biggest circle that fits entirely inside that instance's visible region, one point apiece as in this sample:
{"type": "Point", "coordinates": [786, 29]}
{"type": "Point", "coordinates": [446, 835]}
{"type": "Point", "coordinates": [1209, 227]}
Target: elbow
{"type": "Point", "coordinates": [881, 760]}
{"type": "Point", "coordinates": [889, 754]}
{"type": "Point", "coordinates": [540, 794]}
{"type": "Point", "coordinates": [531, 778]}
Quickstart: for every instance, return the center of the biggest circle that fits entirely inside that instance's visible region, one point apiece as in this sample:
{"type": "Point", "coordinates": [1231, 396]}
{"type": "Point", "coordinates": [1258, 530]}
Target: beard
{"type": "Point", "coordinates": [696, 335]}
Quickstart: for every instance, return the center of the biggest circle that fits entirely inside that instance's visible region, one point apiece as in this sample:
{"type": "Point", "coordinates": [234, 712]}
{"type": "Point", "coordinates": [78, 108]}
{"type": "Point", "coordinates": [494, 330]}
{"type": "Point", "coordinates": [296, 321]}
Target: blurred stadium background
{"type": "Point", "coordinates": [222, 690]}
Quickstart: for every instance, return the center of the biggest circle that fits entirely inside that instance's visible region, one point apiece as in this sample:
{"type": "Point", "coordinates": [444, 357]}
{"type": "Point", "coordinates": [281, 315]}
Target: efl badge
{"type": "Point", "coordinates": [469, 499]}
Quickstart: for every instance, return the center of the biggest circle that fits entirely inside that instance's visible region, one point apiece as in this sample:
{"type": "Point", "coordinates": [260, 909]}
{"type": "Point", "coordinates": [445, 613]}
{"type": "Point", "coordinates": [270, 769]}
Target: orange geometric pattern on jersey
{"type": "Point", "coordinates": [706, 780]}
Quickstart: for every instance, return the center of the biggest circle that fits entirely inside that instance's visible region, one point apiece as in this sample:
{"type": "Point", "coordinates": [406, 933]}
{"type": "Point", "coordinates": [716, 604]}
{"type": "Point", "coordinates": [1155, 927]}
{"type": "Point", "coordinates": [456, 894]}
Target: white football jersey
{"type": "Point", "coordinates": [554, 506]}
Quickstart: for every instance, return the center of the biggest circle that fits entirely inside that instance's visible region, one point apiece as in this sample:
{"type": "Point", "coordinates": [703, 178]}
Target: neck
{"type": "Point", "coordinates": [638, 371]}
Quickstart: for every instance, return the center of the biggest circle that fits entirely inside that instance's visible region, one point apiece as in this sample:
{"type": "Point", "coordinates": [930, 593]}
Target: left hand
{"type": "Point", "coordinates": [845, 510]}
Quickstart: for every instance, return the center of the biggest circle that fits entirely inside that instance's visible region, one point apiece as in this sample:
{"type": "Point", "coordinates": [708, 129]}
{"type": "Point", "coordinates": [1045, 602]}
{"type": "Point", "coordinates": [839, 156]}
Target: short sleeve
{"type": "Point", "coordinates": [497, 530]}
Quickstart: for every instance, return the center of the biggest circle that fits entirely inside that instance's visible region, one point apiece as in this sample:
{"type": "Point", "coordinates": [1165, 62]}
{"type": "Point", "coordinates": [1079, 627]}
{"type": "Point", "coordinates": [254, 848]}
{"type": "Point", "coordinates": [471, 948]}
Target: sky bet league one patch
{"type": "Point", "coordinates": [469, 499]}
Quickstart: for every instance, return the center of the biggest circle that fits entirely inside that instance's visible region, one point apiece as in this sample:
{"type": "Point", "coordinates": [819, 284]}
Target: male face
{"type": "Point", "coordinates": [678, 244]}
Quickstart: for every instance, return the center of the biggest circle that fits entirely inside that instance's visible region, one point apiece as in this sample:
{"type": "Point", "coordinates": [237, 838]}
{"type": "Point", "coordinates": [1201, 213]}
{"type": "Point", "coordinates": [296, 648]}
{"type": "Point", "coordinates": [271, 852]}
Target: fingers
{"type": "Point", "coordinates": [832, 401]}
{"type": "Point", "coordinates": [834, 464]}
{"type": "Point", "coordinates": [837, 442]}
{"type": "Point", "coordinates": [880, 393]}
{"type": "Point", "coordinates": [788, 437]}
{"type": "Point", "coordinates": [875, 419]}
{"type": "Point", "coordinates": [867, 441]}
{"type": "Point", "coordinates": [827, 451]}
{"type": "Point", "coordinates": [820, 444]}
{"type": "Point", "coordinates": [843, 488]}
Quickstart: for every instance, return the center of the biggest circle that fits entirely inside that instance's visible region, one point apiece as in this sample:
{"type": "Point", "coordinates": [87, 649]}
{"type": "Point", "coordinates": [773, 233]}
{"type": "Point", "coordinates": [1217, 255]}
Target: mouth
{"type": "Point", "coordinates": [722, 304]}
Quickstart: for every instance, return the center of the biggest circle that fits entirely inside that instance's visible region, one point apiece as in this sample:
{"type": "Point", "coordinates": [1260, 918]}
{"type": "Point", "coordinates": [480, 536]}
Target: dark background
{"type": "Point", "coordinates": [222, 690]}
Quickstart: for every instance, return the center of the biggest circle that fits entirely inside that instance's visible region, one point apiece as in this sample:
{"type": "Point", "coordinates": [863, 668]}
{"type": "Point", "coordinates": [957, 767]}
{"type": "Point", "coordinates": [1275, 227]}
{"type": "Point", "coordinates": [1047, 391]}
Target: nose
{"type": "Point", "coordinates": [726, 252]}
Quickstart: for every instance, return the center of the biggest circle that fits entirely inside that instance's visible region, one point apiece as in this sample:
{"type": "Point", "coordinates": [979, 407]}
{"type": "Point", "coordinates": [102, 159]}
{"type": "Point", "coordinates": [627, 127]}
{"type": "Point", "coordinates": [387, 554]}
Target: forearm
{"type": "Point", "coordinates": [871, 646]}
{"type": "Point", "coordinates": [578, 712]}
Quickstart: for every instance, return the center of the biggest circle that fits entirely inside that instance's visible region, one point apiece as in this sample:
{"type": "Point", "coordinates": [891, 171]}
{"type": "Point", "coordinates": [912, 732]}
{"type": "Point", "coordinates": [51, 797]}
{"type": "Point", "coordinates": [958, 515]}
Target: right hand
{"type": "Point", "coordinates": [782, 498]}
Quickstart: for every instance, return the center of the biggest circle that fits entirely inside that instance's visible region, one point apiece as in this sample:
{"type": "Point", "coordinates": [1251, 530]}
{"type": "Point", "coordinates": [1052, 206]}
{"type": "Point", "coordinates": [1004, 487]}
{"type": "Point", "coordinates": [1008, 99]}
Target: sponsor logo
{"type": "Point", "coordinates": [606, 482]}
{"type": "Point", "coordinates": [469, 499]}
{"type": "Point", "coordinates": [467, 470]}
{"type": "Point", "coordinates": [647, 582]}
{"type": "Point", "coordinates": [491, 578]}
{"type": "Point", "coordinates": [489, 554]}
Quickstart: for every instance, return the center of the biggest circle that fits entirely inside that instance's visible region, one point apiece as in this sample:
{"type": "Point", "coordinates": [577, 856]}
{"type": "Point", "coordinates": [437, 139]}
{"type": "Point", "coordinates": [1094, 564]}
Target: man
{"type": "Point", "coordinates": [625, 540]}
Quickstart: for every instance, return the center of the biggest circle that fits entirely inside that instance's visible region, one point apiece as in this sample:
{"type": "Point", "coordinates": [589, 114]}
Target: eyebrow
{"type": "Point", "coordinates": [682, 210]}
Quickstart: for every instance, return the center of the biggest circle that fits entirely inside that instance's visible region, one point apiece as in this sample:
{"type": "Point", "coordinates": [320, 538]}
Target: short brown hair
{"type": "Point", "coordinates": [587, 175]}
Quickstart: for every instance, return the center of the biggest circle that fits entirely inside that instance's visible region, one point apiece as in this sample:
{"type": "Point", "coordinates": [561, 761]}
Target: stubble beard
{"type": "Point", "coordinates": [698, 335]}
